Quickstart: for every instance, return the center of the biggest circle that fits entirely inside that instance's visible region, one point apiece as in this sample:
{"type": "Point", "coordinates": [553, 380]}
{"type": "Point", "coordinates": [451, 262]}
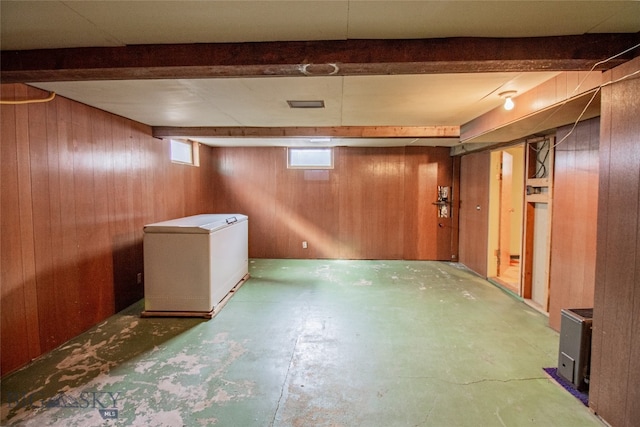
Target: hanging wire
{"type": "Point", "coordinates": [543, 163]}
{"type": "Point", "coordinates": [29, 101]}
{"type": "Point", "coordinates": [563, 103]}
{"type": "Point", "coordinates": [584, 110]}
{"type": "Point", "coordinates": [604, 61]}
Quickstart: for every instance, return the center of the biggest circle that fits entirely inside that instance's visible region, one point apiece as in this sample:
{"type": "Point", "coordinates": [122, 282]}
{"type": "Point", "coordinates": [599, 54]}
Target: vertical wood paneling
{"type": "Point", "coordinates": [121, 226]}
{"type": "Point", "coordinates": [24, 204]}
{"type": "Point", "coordinates": [474, 211]}
{"type": "Point", "coordinates": [425, 170]}
{"type": "Point", "coordinates": [455, 209]}
{"type": "Point", "coordinates": [58, 278]}
{"type": "Point", "coordinates": [631, 130]}
{"type": "Point", "coordinates": [616, 343]}
{"type": "Point", "coordinates": [306, 210]}
{"type": "Point", "coordinates": [209, 185]}
{"type": "Point", "coordinates": [67, 265]}
{"type": "Point", "coordinates": [357, 210]}
{"type": "Point", "coordinates": [42, 226]}
{"type": "Point", "coordinates": [372, 203]}
{"type": "Point", "coordinates": [78, 184]}
{"type": "Point", "coordinates": [103, 274]}
{"type": "Point", "coordinates": [85, 222]}
{"type": "Point", "coordinates": [443, 227]}
{"type": "Point", "coordinates": [572, 274]}
{"type": "Point", "coordinates": [140, 134]}
{"type": "Point", "coordinates": [16, 339]}
{"type": "Point", "coordinates": [249, 187]}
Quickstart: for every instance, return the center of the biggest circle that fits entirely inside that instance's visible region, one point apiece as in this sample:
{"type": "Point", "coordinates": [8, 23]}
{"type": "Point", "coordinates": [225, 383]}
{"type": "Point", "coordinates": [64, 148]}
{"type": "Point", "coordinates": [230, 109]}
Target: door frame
{"type": "Point", "coordinates": [495, 202]}
{"type": "Point", "coordinates": [539, 189]}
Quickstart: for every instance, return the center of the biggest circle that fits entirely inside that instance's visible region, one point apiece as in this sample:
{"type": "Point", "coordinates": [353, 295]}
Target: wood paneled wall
{"type": "Point", "coordinates": [421, 224]}
{"type": "Point", "coordinates": [78, 184]}
{"type": "Point", "coordinates": [475, 172]}
{"type": "Point", "coordinates": [615, 367]}
{"type": "Point", "coordinates": [573, 226]}
{"type": "Point", "coordinates": [375, 204]}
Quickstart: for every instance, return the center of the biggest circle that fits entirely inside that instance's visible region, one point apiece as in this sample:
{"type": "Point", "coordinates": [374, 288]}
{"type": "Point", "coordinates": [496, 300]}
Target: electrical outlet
{"type": "Point", "coordinates": [304, 245]}
{"type": "Point", "coordinates": [139, 278]}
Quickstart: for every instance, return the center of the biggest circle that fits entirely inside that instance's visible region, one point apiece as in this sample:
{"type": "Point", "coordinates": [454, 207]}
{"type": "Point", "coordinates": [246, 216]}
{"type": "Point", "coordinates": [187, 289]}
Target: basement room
{"type": "Point", "coordinates": [320, 213]}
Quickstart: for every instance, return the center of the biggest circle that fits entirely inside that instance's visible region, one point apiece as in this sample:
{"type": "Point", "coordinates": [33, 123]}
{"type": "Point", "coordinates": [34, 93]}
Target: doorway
{"type": "Point", "coordinates": [539, 163]}
{"type": "Point", "coordinates": [506, 200]}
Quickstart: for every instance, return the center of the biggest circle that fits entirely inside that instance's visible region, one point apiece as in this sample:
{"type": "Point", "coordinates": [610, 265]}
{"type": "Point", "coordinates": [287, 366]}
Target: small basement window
{"type": "Point", "coordinates": [310, 158]}
{"type": "Point", "coordinates": [185, 152]}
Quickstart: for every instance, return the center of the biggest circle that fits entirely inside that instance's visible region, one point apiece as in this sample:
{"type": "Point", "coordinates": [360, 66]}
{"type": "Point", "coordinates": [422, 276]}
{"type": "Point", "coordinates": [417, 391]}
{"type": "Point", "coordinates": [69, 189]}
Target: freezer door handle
{"type": "Point", "coordinates": [231, 220]}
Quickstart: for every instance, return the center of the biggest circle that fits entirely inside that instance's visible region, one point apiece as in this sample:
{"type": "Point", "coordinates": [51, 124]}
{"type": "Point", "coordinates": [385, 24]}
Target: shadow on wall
{"type": "Point", "coordinates": [128, 262]}
{"type": "Point", "coordinates": [68, 300]}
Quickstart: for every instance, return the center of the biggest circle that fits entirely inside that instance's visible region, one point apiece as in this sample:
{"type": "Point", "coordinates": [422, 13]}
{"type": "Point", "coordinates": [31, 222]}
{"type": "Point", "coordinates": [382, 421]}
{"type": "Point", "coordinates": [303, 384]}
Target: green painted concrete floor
{"type": "Point", "coordinates": [312, 343]}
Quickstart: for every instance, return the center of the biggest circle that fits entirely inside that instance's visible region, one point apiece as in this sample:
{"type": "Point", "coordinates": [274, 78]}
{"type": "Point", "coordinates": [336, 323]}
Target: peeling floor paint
{"type": "Point", "coordinates": [321, 343]}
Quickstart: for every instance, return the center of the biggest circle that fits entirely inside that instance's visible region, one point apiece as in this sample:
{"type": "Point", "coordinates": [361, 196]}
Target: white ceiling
{"type": "Point", "coordinates": [55, 24]}
{"type": "Point", "coordinates": [398, 100]}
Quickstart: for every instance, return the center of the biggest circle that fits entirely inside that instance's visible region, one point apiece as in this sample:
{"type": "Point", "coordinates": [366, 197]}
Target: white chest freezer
{"type": "Point", "coordinates": [191, 263]}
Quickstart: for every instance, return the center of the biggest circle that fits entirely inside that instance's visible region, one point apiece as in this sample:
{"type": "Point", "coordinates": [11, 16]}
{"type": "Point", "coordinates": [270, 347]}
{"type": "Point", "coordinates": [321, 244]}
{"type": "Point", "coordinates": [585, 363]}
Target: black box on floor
{"type": "Point", "coordinates": [574, 356]}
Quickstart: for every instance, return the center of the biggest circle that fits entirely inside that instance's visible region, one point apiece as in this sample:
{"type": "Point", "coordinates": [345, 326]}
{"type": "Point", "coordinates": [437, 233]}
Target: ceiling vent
{"type": "Point", "coordinates": [306, 104]}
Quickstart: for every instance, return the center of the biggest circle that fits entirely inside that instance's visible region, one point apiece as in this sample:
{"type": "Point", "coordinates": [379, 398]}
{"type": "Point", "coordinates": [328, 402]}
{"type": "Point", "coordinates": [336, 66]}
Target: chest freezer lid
{"type": "Point", "coordinates": [196, 224]}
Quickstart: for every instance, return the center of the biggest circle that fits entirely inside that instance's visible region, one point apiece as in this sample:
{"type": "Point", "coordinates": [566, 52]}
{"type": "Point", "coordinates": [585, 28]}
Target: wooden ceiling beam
{"type": "Point", "coordinates": [293, 132]}
{"type": "Point", "coordinates": [318, 58]}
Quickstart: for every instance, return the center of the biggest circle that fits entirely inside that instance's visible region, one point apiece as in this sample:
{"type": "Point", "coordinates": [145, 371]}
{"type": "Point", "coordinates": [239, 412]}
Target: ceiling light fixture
{"type": "Point", "coordinates": [306, 104]}
{"type": "Point", "coordinates": [508, 101]}
{"type": "Point", "coordinates": [320, 140]}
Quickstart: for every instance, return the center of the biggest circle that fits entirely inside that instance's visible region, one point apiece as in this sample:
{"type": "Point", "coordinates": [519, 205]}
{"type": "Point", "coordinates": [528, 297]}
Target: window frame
{"type": "Point", "coordinates": [194, 150]}
{"type": "Point", "coordinates": [331, 164]}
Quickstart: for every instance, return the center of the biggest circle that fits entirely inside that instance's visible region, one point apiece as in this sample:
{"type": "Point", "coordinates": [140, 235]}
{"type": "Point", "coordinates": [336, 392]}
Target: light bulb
{"type": "Point", "coordinates": [508, 103]}
{"type": "Point", "coordinates": [508, 100]}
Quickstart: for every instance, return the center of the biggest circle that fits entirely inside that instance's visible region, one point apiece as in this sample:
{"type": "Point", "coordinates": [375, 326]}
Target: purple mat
{"type": "Point", "coordinates": [582, 397]}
